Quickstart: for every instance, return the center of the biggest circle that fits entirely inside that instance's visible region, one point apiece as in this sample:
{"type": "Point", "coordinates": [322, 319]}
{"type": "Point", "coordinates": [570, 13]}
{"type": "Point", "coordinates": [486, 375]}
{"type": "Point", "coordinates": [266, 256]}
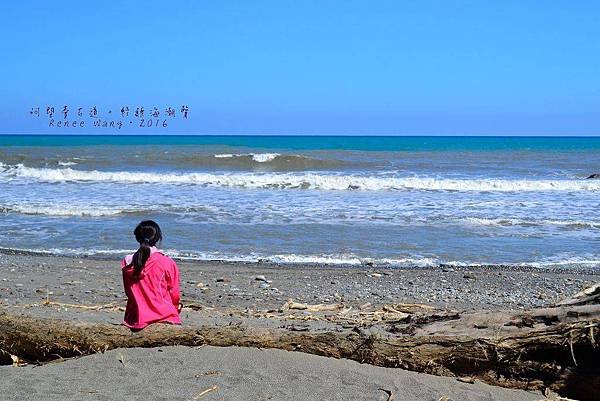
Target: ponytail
{"type": "Point", "coordinates": [139, 258]}
{"type": "Point", "coordinates": [147, 233]}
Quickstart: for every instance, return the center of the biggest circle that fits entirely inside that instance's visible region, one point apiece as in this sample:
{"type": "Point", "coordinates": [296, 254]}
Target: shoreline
{"type": "Point", "coordinates": [27, 278]}
{"type": "Point", "coordinates": [576, 268]}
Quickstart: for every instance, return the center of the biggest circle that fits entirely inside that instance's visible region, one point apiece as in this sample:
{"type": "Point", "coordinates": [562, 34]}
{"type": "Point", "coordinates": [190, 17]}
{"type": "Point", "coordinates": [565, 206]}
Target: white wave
{"type": "Point", "coordinates": [210, 256]}
{"type": "Point", "coordinates": [264, 157]}
{"type": "Point", "coordinates": [416, 262]}
{"type": "Point", "coordinates": [350, 260]}
{"type": "Point", "coordinates": [331, 259]}
{"type": "Point", "coordinates": [505, 222]}
{"type": "Point", "coordinates": [491, 222]}
{"type": "Point", "coordinates": [315, 259]}
{"type": "Point", "coordinates": [73, 251]}
{"type": "Point", "coordinates": [66, 210]}
{"type": "Point", "coordinates": [257, 157]}
{"type": "Point", "coordinates": [67, 163]}
{"type": "Point", "coordinates": [93, 251]}
{"type": "Point", "coordinates": [299, 180]}
{"type": "Point", "coordinates": [566, 260]}
{"type": "Point", "coordinates": [256, 258]}
{"type": "Point", "coordinates": [303, 259]}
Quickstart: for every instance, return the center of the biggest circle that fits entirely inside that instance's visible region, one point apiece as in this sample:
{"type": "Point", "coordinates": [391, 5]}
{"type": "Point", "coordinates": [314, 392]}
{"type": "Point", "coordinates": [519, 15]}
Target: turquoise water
{"type": "Point", "coordinates": [370, 143]}
{"type": "Point", "coordinates": [408, 201]}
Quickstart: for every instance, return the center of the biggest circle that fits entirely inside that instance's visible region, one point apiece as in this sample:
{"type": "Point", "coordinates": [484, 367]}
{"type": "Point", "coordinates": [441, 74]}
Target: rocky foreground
{"type": "Point", "coordinates": [490, 324]}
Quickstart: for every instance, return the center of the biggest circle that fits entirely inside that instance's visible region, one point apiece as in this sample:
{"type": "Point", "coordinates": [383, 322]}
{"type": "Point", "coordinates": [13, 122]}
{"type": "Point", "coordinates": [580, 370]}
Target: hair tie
{"type": "Point", "coordinates": [146, 240]}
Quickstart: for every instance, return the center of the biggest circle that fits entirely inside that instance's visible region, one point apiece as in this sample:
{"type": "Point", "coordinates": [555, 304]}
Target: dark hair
{"type": "Point", "coordinates": [147, 233]}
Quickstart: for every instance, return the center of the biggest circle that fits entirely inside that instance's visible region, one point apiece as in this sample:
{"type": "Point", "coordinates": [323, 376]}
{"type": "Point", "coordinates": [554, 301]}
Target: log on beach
{"type": "Point", "coordinates": [551, 348]}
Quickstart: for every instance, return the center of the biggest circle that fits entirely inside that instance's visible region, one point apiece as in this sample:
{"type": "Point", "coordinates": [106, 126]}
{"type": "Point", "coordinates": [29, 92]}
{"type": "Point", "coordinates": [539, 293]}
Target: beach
{"type": "Point", "coordinates": [411, 255]}
{"type": "Point", "coordinates": [390, 201]}
{"type": "Point", "coordinates": [89, 290]}
{"type": "Point", "coordinates": [181, 373]}
{"type": "Point", "coordinates": [29, 279]}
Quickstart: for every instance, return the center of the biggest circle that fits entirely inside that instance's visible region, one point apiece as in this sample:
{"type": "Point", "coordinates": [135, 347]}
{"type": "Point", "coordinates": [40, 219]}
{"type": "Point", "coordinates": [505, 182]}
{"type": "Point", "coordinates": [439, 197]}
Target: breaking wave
{"type": "Point", "coordinates": [66, 163]}
{"type": "Point", "coordinates": [304, 180]}
{"type": "Point", "coordinates": [507, 222]}
{"type": "Point", "coordinates": [66, 211]}
{"type": "Point", "coordinates": [186, 160]}
{"type": "Point", "coordinates": [266, 161]}
{"type": "Point", "coordinates": [62, 210]}
{"type": "Point", "coordinates": [257, 157]}
{"type": "Point", "coordinates": [559, 261]}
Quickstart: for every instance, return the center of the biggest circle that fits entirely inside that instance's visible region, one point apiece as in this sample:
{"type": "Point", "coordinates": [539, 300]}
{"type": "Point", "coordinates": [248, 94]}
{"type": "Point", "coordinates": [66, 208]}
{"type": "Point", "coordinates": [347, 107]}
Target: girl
{"type": "Point", "coordinates": [151, 281]}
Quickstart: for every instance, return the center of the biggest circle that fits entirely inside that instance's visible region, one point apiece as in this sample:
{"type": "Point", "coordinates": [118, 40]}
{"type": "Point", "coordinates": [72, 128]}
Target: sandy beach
{"type": "Point", "coordinates": [221, 294]}
{"type": "Point", "coordinates": [182, 373]}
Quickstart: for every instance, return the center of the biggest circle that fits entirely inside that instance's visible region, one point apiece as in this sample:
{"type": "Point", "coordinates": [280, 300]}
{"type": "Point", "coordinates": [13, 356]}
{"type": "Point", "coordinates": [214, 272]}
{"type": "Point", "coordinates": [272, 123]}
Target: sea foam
{"type": "Point", "coordinates": [257, 157]}
{"type": "Point", "coordinates": [557, 261]}
{"type": "Point", "coordinates": [68, 210]}
{"type": "Point", "coordinates": [305, 180]}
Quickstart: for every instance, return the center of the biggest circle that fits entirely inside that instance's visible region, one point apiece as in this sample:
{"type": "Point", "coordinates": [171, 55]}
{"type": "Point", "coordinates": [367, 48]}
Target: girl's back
{"type": "Point", "coordinates": [152, 287]}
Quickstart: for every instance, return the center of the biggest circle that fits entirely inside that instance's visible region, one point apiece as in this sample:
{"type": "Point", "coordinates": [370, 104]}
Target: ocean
{"type": "Point", "coordinates": [393, 201]}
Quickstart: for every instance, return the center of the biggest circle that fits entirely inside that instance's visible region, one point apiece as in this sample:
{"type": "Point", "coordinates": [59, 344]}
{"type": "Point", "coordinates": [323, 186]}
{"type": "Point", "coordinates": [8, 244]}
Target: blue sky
{"type": "Point", "coordinates": [309, 67]}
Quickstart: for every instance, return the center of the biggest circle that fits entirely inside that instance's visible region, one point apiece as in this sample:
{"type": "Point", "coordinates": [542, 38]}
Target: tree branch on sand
{"type": "Point", "coordinates": [546, 348]}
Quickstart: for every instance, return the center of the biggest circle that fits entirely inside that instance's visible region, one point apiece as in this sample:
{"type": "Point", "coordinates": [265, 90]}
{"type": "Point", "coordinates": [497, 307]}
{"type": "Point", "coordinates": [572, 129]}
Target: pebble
{"type": "Point", "coordinates": [464, 288]}
{"type": "Point", "coordinates": [262, 278]}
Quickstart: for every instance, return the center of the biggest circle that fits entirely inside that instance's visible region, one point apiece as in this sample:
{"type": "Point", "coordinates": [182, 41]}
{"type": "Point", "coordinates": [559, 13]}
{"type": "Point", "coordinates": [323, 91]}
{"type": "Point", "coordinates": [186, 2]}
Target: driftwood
{"type": "Point", "coordinates": [290, 304]}
{"type": "Point", "coordinates": [551, 348]}
{"type": "Point", "coordinates": [590, 295]}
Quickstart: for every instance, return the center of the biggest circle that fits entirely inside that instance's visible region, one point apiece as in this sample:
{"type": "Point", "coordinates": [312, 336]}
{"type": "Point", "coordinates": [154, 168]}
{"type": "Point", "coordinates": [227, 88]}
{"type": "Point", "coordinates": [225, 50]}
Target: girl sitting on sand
{"type": "Point", "coordinates": [151, 281]}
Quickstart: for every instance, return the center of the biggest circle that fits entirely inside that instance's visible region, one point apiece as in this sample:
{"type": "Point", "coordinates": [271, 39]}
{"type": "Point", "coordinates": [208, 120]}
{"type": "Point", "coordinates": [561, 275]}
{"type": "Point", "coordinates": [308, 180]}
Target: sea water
{"type": "Point", "coordinates": [399, 201]}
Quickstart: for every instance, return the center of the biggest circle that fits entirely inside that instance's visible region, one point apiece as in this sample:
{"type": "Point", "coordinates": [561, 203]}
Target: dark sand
{"type": "Point", "coordinates": [180, 373]}
{"type": "Point", "coordinates": [225, 293]}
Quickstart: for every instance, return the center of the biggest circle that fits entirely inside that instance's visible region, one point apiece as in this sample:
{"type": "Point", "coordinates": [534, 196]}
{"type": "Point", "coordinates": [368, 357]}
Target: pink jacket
{"type": "Point", "coordinates": [154, 296]}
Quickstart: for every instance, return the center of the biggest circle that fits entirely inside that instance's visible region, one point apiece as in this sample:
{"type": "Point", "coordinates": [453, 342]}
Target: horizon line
{"type": "Point", "coordinates": [594, 135]}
